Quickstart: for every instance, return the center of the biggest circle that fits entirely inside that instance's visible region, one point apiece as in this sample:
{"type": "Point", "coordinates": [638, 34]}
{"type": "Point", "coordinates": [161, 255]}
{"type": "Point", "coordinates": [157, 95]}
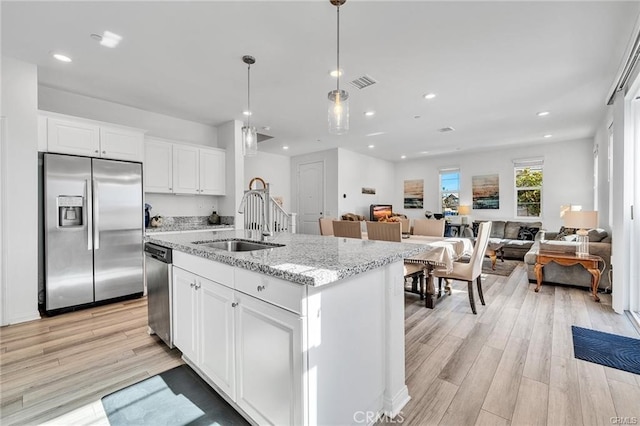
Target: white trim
{"type": "Point", "coordinates": [627, 65]}
{"type": "Point", "coordinates": [3, 220]}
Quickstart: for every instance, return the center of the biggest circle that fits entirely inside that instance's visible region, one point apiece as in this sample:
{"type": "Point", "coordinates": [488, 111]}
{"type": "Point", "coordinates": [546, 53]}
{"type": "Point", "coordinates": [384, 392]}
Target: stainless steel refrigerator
{"type": "Point", "coordinates": [93, 230]}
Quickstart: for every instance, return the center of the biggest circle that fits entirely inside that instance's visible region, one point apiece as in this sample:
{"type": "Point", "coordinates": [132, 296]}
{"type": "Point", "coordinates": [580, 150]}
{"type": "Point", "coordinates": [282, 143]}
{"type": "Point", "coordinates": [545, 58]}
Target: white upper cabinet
{"type": "Point", "coordinates": [158, 166]}
{"type": "Point", "coordinates": [121, 144]}
{"type": "Point", "coordinates": [71, 135]}
{"type": "Point", "coordinates": [186, 175]}
{"type": "Point", "coordinates": [177, 168]}
{"type": "Point", "coordinates": [212, 172]}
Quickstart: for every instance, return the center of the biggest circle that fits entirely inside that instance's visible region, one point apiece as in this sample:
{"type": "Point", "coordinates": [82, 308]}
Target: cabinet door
{"type": "Point", "coordinates": [71, 137]}
{"type": "Point", "coordinates": [185, 170]}
{"type": "Point", "coordinates": [121, 144]}
{"type": "Point", "coordinates": [217, 352]}
{"type": "Point", "coordinates": [185, 312]}
{"type": "Point", "coordinates": [212, 172]}
{"type": "Point", "coordinates": [269, 362]}
{"type": "Point", "coordinates": [158, 166]}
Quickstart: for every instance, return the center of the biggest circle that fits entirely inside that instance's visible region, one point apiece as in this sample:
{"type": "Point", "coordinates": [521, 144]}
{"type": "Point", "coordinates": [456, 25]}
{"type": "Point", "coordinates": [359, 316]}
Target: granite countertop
{"type": "Point", "coordinates": [179, 227]}
{"type": "Point", "coordinates": [305, 259]}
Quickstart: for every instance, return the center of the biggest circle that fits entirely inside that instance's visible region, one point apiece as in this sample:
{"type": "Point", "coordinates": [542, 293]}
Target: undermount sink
{"type": "Point", "coordinates": [238, 245]}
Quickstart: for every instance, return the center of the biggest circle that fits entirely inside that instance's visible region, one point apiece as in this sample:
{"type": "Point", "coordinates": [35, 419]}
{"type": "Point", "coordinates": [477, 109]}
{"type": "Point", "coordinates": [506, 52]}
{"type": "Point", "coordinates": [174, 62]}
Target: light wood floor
{"type": "Point", "coordinates": [510, 364]}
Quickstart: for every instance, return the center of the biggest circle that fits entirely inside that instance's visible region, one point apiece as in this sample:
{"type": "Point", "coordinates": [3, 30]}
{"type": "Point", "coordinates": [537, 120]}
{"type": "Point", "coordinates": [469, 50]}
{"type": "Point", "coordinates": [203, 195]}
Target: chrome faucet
{"type": "Point", "coordinates": [266, 211]}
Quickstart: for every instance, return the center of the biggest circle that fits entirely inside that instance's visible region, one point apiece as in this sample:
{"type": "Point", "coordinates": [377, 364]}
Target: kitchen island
{"type": "Point", "coordinates": [308, 331]}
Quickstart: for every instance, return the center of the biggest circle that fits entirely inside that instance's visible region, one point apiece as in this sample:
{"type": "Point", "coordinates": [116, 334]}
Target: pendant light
{"type": "Point", "coordinates": [249, 135]}
{"type": "Point", "coordinates": [338, 99]}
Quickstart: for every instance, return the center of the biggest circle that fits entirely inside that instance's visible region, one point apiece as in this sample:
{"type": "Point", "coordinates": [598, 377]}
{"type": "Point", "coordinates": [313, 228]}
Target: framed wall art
{"type": "Point", "coordinates": [486, 192]}
{"type": "Point", "coordinates": [413, 194]}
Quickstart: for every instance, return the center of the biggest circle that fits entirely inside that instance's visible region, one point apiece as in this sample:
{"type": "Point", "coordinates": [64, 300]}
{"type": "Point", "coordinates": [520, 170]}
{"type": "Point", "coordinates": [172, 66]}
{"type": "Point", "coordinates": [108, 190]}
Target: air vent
{"type": "Point", "coordinates": [362, 82]}
{"type": "Point", "coordinates": [446, 129]}
{"type": "Point", "coordinates": [262, 137]}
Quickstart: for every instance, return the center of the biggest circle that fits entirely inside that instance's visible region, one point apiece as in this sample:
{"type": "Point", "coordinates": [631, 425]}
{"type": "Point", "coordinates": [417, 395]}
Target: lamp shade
{"type": "Point", "coordinates": [464, 210]}
{"type": "Point", "coordinates": [580, 219]}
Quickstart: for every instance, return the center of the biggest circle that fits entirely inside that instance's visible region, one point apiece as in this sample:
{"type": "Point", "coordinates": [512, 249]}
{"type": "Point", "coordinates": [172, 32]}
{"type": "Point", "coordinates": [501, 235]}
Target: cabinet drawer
{"type": "Point", "coordinates": [281, 293]}
{"type": "Point", "coordinates": [212, 270]}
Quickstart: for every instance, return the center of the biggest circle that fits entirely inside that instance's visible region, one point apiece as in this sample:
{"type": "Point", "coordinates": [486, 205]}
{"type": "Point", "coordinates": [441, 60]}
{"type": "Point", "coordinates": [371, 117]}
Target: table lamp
{"type": "Point", "coordinates": [463, 211]}
{"type": "Point", "coordinates": [581, 220]}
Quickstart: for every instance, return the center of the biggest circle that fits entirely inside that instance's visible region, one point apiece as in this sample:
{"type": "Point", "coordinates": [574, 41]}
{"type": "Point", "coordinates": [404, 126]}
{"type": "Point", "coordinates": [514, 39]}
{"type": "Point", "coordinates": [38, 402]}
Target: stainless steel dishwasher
{"type": "Point", "coordinates": [157, 264]}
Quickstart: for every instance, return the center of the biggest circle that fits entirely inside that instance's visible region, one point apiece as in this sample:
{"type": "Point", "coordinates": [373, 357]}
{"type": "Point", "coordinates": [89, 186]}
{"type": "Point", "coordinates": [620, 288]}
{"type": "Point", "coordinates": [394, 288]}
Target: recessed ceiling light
{"type": "Point", "coordinates": [375, 134]}
{"type": "Point", "coordinates": [107, 39]}
{"type": "Point", "coordinates": [285, 147]}
{"type": "Point", "coordinates": [335, 73]}
{"type": "Point", "coordinates": [446, 129]}
{"type": "Point", "coordinates": [370, 113]}
{"type": "Point", "coordinates": [61, 57]}
{"type": "Point", "coordinates": [403, 156]}
{"type": "Point", "coordinates": [416, 116]}
{"type": "Point", "coordinates": [543, 113]}
{"type": "Point", "coordinates": [372, 146]}
{"type": "Point", "coordinates": [429, 96]}
{"type": "Point", "coordinates": [246, 112]}
{"type": "Point", "coordinates": [547, 136]}
{"type": "Point", "coordinates": [424, 152]}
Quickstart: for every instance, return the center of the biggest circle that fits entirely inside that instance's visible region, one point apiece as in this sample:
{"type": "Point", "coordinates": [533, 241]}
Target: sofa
{"type": "Point", "coordinates": [517, 237]}
{"type": "Point", "coordinates": [599, 245]}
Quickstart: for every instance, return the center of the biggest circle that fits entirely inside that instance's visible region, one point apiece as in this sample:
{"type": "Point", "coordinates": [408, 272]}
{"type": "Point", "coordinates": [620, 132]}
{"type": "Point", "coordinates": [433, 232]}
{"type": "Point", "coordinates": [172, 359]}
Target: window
{"type": "Point", "coordinates": [528, 187]}
{"type": "Point", "coordinates": [450, 191]}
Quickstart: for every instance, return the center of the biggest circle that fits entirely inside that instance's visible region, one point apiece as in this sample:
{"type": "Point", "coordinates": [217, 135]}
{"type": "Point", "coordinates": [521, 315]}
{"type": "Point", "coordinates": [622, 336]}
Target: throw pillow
{"type": "Point", "coordinates": [597, 235]}
{"type": "Point", "coordinates": [564, 232]}
{"type": "Point", "coordinates": [527, 233]}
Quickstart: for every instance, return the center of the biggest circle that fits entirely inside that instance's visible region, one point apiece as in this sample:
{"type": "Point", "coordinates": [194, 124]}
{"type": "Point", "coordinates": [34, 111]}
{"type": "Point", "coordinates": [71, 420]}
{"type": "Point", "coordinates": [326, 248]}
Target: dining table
{"type": "Point", "coordinates": [440, 254]}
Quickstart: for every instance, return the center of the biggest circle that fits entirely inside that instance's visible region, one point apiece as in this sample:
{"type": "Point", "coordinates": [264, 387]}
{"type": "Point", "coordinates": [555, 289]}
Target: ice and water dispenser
{"type": "Point", "coordinates": [70, 211]}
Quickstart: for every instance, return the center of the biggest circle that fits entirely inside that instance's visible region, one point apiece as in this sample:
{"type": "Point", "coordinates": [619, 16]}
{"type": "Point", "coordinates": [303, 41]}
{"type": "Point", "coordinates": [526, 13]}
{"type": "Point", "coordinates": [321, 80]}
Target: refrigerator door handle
{"type": "Point", "coordinates": [96, 216]}
{"type": "Point", "coordinates": [89, 213]}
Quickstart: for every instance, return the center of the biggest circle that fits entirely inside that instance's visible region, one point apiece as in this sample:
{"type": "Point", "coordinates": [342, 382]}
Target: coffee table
{"type": "Point", "coordinates": [493, 250]}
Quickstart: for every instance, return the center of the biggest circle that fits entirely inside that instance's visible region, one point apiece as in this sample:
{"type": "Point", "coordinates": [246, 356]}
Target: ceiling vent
{"type": "Point", "coordinates": [362, 82]}
{"type": "Point", "coordinates": [262, 137]}
{"type": "Point", "coordinates": [446, 129]}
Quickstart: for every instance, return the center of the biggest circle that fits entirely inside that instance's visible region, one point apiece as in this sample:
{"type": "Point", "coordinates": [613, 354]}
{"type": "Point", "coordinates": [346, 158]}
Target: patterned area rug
{"type": "Point", "coordinates": [607, 349]}
{"type": "Point", "coordinates": [502, 268]}
{"type": "Point", "coordinates": [176, 397]}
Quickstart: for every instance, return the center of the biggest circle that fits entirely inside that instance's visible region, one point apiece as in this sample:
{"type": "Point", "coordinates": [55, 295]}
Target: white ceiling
{"type": "Point", "coordinates": [493, 65]}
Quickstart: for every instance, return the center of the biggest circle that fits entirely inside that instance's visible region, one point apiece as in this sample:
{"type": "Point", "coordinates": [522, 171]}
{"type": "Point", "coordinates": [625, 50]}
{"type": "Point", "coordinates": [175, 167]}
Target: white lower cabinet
{"type": "Point", "coordinates": [250, 349]}
{"type": "Point", "coordinates": [268, 362]}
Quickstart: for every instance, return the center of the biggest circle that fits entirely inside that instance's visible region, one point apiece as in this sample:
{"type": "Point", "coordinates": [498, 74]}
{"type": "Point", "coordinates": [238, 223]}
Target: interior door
{"type": "Point", "coordinates": [117, 224]}
{"type": "Point", "coordinates": [310, 196]}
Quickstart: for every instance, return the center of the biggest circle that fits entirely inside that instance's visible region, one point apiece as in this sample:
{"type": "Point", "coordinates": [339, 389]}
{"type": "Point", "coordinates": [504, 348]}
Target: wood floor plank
{"type": "Point", "coordinates": [502, 394]}
{"type": "Point", "coordinates": [595, 396]}
{"type": "Point", "coordinates": [562, 340]}
{"type": "Point", "coordinates": [461, 361]}
{"type": "Point", "coordinates": [432, 405]}
{"type": "Point", "coordinates": [626, 399]}
{"type": "Point", "coordinates": [531, 405]}
{"type": "Point", "coordinates": [467, 403]}
{"type": "Point", "coordinates": [538, 363]}
{"type": "Point", "coordinates": [564, 393]}
{"type": "Point", "coordinates": [489, 419]}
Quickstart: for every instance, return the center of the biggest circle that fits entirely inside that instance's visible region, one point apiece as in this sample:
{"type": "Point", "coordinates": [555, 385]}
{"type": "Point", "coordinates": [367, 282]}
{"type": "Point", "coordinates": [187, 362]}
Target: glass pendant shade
{"type": "Point", "coordinates": [338, 112]}
{"type": "Point", "coordinates": [249, 141]}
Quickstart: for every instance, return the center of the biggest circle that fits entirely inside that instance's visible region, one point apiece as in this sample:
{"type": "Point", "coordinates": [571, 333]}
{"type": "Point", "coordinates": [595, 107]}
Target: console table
{"type": "Point", "coordinates": [589, 262]}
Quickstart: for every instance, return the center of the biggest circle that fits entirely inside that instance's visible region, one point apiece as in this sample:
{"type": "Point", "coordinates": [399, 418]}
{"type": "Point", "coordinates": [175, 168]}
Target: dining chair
{"type": "Point", "coordinates": [384, 231]}
{"type": "Point", "coordinates": [471, 271]}
{"type": "Point", "coordinates": [347, 229]}
{"type": "Point", "coordinates": [406, 225]}
{"type": "Point", "coordinates": [428, 227]}
{"type": "Point", "coordinates": [326, 225]}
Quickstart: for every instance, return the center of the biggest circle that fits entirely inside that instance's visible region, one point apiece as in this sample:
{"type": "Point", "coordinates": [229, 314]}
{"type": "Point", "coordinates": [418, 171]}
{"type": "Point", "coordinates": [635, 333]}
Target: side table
{"type": "Point", "coordinates": [589, 262]}
{"type": "Point", "coordinates": [493, 250]}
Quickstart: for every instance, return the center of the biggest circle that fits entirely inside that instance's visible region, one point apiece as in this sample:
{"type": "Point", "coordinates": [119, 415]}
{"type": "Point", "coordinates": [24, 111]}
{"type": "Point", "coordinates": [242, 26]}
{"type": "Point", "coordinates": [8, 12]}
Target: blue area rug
{"type": "Point", "coordinates": [607, 349]}
{"type": "Point", "coordinates": [176, 397]}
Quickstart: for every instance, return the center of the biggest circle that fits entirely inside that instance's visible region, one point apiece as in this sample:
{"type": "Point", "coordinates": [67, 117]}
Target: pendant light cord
{"type": "Point", "coordinates": [338, 50]}
{"type": "Point", "coordinates": [249, 95]}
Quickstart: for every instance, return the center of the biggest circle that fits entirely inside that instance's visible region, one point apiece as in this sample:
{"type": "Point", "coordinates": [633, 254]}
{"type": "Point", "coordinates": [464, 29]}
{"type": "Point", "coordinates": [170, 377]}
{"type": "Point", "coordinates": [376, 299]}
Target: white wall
{"type": "Point", "coordinates": [230, 138]}
{"type": "Point", "coordinates": [568, 179]}
{"type": "Point", "coordinates": [356, 171]}
{"type": "Point", "coordinates": [275, 170]}
{"type": "Point", "coordinates": [163, 126]}
{"type": "Point", "coordinates": [19, 285]}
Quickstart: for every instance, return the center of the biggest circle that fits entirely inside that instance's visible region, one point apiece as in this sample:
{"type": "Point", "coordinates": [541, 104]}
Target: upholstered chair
{"type": "Point", "coordinates": [428, 227]}
{"type": "Point", "coordinates": [326, 225]}
{"type": "Point", "coordinates": [347, 229]}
